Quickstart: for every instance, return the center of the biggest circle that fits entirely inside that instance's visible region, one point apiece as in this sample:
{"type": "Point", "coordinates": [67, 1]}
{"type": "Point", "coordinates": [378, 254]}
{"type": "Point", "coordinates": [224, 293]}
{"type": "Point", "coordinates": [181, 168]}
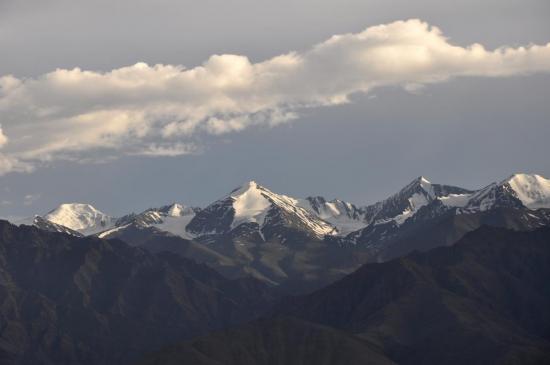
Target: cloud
{"type": "Point", "coordinates": [170, 150]}
{"type": "Point", "coordinates": [165, 109]}
{"type": "Point", "coordinates": [11, 164]}
{"type": "Point", "coordinates": [3, 138]}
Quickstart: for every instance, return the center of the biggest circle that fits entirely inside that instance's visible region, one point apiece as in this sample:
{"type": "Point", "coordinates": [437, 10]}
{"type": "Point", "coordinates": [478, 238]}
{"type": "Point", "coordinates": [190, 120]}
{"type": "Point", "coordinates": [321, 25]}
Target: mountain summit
{"type": "Point", "coordinates": [532, 190]}
{"type": "Point", "coordinates": [259, 208]}
{"type": "Point", "coordinates": [83, 218]}
{"type": "Point", "coordinates": [408, 201]}
{"type": "Point", "coordinates": [519, 190]}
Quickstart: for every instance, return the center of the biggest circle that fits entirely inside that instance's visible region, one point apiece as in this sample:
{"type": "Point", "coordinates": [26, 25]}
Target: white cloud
{"type": "Point", "coordinates": [170, 150]}
{"type": "Point", "coordinates": [163, 109]}
{"type": "Point", "coordinates": [11, 164]}
{"type": "Point", "coordinates": [3, 138]}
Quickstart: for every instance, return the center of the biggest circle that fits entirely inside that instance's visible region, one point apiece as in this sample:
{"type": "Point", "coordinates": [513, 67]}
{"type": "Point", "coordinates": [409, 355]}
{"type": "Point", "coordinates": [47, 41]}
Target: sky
{"type": "Point", "coordinates": [132, 104]}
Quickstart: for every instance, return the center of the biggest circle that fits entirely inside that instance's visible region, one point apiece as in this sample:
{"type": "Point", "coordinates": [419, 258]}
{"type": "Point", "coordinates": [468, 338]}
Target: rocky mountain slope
{"type": "Point", "coordinates": [484, 300]}
{"type": "Point", "coordinates": [69, 300]}
{"type": "Point", "coordinates": [280, 341]}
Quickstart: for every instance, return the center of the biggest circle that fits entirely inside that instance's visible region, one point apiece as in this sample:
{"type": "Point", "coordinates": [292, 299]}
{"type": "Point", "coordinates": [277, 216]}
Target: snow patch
{"type": "Point", "coordinates": [338, 213]}
{"type": "Point", "coordinates": [416, 201]}
{"type": "Point", "coordinates": [176, 225]}
{"type": "Point", "coordinates": [455, 200]}
{"type": "Point", "coordinates": [175, 210]}
{"type": "Point", "coordinates": [112, 230]}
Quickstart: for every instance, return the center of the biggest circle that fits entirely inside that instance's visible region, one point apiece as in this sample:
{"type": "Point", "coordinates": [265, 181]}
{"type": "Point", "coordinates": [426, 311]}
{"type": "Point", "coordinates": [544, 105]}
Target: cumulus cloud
{"type": "Point", "coordinates": [162, 109]}
{"type": "Point", "coordinates": [3, 138]}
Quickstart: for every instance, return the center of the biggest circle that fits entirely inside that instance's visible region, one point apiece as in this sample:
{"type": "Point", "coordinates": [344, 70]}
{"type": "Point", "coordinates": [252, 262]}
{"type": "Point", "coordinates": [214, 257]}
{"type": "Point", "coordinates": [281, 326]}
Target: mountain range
{"type": "Point", "coordinates": [303, 244]}
{"type": "Point", "coordinates": [432, 274]}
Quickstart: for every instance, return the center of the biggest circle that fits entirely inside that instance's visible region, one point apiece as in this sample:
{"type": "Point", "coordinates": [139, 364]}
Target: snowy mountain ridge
{"type": "Point", "coordinates": [171, 218]}
{"type": "Point", "coordinates": [346, 217]}
{"type": "Point", "coordinates": [408, 201]}
{"type": "Point", "coordinates": [254, 205]}
{"type": "Point", "coordinates": [44, 224]}
{"type": "Point", "coordinates": [422, 204]}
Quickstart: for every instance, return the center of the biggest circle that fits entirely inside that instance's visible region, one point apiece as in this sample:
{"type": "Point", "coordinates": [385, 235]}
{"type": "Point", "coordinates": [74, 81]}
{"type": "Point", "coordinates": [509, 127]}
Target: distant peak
{"type": "Point", "coordinates": [533, 190]}
{"type": "Point", "coordinates": [525, 178]}
{"type": "Point", "coordinates": [175, 210]}
{"type": "Point", "coordinates": [250, 185]}
{"type": "Point", "coordinates": [421, 182]}
{"type": "Point", "coordinates": [75, 207]}
{"type": "Point", "coordinates": [69, 205]}
{"type": "Point", "coordinates": [80, 217]}
{"type": "Point", "coordinates": [424, 180]}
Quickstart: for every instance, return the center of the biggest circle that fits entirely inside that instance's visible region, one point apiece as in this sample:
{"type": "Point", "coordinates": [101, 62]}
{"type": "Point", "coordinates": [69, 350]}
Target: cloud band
{"type": "Point", "coordinates": [160, 110]}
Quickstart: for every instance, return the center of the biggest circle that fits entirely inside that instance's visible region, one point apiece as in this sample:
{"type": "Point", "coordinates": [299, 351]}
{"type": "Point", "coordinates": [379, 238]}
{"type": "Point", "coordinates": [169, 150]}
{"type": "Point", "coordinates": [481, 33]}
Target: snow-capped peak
{"type": "Point", "coordinates": [245, 187]}
{"type": "Point", "coordinates": [420, 185]}
{"type": "Point", "coordinates": [178, 210]}
{"type": "Point", "coordinates": [519, 190]}
{"type": "Point", "coordinates": [425, 184]}
{"type": "Point", "coordinates": [83, 218]}
{"type": "Point", "coordinates": [401, 206]}
{"type": "Point", "coordinates": [409, 200]}
{"type": "Point", "coordinates": [250, 203]}
{"type": "Point", "coordinates": [44, 224]}
{"type": "Point", "coordinates": [253, 203]}
{"type": "Point", "coordinates": [533, 190]}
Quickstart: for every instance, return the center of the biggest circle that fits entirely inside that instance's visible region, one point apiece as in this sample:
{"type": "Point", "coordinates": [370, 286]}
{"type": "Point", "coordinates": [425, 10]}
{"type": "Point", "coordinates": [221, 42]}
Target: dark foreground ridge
{"type": "Point", "coordinates": [70, 300]}
{"type": "Point", "coordinates": [281, 340]}
{"type": "Point", "coordinates": [485, 300]}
